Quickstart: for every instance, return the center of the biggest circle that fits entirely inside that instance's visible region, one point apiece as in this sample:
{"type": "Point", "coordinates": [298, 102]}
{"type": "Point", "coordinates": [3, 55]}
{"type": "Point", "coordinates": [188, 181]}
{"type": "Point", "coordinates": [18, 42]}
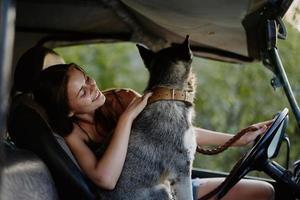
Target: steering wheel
{"type": "Point", "coordinates": [265, 148]}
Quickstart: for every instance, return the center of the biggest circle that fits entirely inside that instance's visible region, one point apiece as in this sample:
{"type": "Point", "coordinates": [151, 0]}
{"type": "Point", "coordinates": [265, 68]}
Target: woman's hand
{"type": "Point", "coordinates": [249, 137]}
{"type": "Point", "coordinates": [136, 106]}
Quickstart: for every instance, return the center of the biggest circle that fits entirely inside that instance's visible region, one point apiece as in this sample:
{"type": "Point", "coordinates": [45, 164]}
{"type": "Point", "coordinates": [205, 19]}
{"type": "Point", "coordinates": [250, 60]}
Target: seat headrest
{"type": "Point", "coordinates": [29, 66]}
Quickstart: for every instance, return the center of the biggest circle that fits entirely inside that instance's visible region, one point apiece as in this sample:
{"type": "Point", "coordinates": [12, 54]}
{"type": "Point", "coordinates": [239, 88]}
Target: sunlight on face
{"type": "Point", "coordinates": [83, 93]}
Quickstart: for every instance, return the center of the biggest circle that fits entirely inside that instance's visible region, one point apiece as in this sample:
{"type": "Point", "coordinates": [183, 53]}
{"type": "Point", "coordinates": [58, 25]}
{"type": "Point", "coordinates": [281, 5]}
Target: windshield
{"type": "Point", "coordinates": [229, 96]}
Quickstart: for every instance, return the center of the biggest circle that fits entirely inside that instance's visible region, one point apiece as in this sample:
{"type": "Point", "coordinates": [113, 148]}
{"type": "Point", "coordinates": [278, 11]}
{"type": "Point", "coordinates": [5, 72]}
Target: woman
{"type": "Point", "coordinates": [98, 137]}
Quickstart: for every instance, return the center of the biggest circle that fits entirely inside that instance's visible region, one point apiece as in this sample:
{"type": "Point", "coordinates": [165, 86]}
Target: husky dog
{"type": "Point", "coordinates": [162, 143]}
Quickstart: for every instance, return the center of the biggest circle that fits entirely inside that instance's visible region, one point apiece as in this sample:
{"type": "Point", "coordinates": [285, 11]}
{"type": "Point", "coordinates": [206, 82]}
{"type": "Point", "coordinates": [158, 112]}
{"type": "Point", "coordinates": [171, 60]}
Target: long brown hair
{"type": "Point", "coordinates": [50, 92]}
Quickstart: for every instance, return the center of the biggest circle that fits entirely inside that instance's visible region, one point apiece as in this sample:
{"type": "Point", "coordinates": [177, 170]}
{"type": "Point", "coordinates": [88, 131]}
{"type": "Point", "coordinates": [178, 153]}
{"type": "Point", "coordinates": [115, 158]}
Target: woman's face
{"type": "Point", "coordinates": [83, 94]}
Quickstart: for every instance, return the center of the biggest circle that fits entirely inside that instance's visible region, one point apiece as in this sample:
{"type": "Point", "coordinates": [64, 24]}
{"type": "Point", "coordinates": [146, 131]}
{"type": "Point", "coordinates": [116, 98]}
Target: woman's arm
{"type": "Point", "coordinates": [208, 137]}
{"type": "Point", "coordinates": [106, 171]}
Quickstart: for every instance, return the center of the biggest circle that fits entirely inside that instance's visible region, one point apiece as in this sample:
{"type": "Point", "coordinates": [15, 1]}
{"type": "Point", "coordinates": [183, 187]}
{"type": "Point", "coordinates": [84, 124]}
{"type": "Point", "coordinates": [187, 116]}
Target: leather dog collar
{"type": "Point", "coordinates": [164, 93]}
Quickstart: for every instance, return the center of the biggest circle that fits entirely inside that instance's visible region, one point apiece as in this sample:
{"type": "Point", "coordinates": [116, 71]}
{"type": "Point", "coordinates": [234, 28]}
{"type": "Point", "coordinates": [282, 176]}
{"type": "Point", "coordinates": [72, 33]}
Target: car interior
{"type": "Point", "coordinates": [35, 162]}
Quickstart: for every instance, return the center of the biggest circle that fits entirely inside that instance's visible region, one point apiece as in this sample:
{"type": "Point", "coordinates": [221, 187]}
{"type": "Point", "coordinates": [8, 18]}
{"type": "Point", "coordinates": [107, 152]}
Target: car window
{"type": "Point", "coordinates": [229, 96]}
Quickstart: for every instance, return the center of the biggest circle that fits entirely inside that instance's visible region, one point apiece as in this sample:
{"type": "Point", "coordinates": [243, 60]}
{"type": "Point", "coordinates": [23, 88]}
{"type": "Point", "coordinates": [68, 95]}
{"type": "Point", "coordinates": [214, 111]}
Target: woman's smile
{"type": "Point", "coordinates": [98, 94]}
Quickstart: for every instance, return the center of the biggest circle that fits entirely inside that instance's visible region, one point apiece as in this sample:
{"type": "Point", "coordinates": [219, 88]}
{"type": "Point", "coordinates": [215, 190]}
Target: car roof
{"type": "Point", "coordinates": [219, 29]}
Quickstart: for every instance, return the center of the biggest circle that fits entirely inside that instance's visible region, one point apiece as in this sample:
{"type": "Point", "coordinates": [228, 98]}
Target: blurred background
{"type": "Point", "coordinates": [229, 96]}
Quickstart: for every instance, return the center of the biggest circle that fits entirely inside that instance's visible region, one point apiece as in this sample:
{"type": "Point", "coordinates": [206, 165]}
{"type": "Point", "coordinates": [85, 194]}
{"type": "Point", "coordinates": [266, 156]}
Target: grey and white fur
{"type": "Point", "coordinates": [162, 142]}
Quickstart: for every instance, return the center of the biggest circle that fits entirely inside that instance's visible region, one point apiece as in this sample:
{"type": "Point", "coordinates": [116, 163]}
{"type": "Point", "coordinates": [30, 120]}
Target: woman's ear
{"type": "Point", "coordinates": [71, 114]}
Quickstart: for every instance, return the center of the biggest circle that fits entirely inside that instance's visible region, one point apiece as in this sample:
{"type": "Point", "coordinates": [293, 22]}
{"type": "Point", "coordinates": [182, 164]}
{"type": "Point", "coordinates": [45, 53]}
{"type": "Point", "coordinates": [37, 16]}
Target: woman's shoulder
{"type": "Point", "coordinates": [76, 134]}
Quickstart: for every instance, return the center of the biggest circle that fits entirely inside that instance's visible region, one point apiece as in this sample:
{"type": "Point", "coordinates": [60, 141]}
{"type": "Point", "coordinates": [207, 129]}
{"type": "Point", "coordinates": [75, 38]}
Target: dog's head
{"type": "Point", "coordinates": [169, 67]}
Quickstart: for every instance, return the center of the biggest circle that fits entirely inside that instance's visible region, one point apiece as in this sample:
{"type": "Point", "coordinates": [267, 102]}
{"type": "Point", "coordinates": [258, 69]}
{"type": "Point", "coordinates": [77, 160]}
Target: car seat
{"type": "Point", "coordinates": [25, 176]}
{"type": "Point", "coordinates": [29, 129]}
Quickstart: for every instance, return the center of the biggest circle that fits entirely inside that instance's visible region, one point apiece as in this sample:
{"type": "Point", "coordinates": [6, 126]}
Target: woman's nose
{"type": "Point", "coordinates": [92, 85]}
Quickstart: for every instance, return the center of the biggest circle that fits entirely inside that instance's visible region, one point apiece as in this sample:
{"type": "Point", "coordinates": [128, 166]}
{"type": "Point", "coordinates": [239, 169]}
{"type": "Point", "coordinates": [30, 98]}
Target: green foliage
{"type": "Point", "coordinates": [111, 65]}
{"type": "Point", "coordinates": [229, 96]}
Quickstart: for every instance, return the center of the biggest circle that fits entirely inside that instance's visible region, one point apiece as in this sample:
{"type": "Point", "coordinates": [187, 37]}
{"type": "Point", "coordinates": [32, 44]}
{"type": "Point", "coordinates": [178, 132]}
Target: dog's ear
{"type": "Point", "coordinates": [186, 42]}
{"type": "Point", "coordinates": [146, 54]}
{"type": "Point", "coordinates": [186, 47]}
